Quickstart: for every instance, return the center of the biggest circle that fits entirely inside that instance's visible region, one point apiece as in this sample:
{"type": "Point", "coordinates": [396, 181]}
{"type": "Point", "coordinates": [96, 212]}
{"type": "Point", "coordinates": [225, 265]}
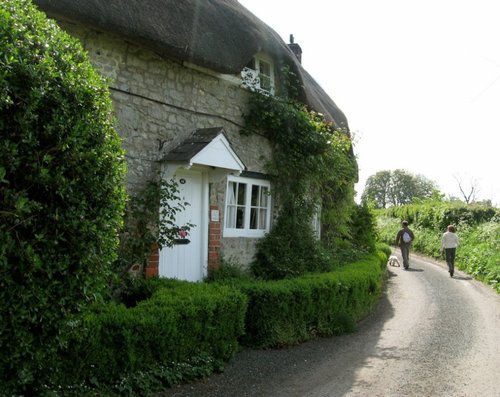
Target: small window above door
{"type": "Point", "coordinates": [259, 74]}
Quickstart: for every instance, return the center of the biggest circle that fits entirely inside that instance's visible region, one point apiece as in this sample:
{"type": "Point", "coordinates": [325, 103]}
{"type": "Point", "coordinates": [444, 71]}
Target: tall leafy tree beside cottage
{"type": "Point", "coordinates": [61, 193]}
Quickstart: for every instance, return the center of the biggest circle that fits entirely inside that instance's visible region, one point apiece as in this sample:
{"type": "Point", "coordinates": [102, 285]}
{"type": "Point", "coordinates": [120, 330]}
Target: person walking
{"type": "Point", "coordinates": [403, 240]}
{"type": "Point", "coordinates": [449, 244]}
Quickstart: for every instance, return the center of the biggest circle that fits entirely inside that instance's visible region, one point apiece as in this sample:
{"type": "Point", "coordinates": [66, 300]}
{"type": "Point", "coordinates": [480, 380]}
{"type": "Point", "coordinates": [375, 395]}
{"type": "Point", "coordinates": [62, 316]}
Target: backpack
{"type": "Point", "coordinates": [406, 237]}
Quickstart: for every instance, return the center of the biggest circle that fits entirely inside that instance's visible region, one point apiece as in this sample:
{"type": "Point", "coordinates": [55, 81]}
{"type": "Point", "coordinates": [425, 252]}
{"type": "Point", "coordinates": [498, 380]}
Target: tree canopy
{"type": "Point", "coordinates": [399, 187]}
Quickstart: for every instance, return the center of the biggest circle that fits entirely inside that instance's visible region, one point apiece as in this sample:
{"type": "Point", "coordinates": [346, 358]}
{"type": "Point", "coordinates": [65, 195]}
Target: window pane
{"type": "Point", "coordinates": [265, 75]}
{"type": "Point", "coordinates": [240, 218]}
{"type": "Point", "coordinates": [231, 193]}
{"type": "Point", "coordinates": [264, 68]}
{"type": "Point", "coordinates": [255, 195]}
{"type": "Point", "coordinates": [231, 216]}
{"type": "Point", "coordinates": [263, 196]}
{"type": "Point", "coordinates": [262, 218]}
{"type": "Point", "coordinates": [253, 218]}
{"type": "Point", "coordinates": [242, 188]}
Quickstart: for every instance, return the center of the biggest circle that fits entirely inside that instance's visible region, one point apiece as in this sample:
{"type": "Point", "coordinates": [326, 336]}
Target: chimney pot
{"type": "Point", "coordinates": [295, 48]}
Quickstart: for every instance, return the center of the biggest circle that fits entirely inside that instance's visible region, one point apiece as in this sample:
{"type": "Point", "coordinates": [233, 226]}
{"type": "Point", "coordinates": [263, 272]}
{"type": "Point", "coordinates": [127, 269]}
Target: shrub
{"type": "Point", "coordinates": [61, 193]}
{"type": "Point", "coordinates": [228, 272]}
{"type": "Point", "coordinates": [289, 250]}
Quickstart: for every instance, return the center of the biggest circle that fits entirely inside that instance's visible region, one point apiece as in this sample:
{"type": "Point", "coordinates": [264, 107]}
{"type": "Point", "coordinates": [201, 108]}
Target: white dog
{"type": "Point", "coordinates": [393, 261]}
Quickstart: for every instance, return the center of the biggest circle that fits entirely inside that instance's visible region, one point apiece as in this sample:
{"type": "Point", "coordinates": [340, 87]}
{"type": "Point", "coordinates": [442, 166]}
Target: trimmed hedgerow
{"type": "Point", "coordinates": [291, 311]}
{"type": "Point", "coordinates": [61, 192]}
{"type": "Point", "coordinates": [179, 323]}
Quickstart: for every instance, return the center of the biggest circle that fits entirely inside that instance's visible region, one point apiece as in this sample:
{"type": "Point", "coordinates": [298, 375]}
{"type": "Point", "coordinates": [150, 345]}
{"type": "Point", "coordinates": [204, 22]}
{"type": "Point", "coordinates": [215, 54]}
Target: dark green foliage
{"type": "Point", "coordinates": [291, 311]}
{"type": "Point", "coordinates": [227, 272]}
{"type": "Point", "coordinates": [61, 193]}
{"type": "Point", "coordinates": [358, 238]}
{"type": "Point", "coordinates": [438, 215]}
{"type": "Point", "coordinates": [363, 228]}
{"type": "Point", "coordinates": [180, 322]}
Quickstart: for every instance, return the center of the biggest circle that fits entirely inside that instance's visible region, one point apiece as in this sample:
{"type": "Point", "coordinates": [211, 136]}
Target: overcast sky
{"type": "Point", "coordinates": [419, 81]}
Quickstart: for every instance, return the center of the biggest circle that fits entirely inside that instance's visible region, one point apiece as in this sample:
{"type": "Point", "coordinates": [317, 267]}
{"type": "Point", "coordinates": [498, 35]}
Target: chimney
{"type": "Point", "coordinates": [295, 49]}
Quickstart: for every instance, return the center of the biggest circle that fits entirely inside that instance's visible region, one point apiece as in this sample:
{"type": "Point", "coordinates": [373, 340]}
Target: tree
{"type": "Point", "coordinates": [377, 189]}
{"type": "Point", "coordinates": [468, 192]}
{"type": "Point", "coordinates": [61, 193]}
{"type": "Point", "coordinates": [398, 187]}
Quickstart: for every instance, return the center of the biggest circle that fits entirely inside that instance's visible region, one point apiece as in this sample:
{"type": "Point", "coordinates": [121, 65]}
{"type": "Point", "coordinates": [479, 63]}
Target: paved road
{"type": "Point", "coordinates": [431, 335]}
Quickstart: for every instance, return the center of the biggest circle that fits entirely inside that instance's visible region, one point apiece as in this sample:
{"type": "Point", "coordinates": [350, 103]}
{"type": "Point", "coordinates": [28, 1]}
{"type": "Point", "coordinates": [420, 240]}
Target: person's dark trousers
{"type": "Point", "coordinates": [450, 259]}
{"type": "Point", "coordinates": [405, 253]}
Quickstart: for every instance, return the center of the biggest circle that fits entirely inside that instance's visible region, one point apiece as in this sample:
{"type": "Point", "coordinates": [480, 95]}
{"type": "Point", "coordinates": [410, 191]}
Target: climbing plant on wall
{"type": "Point", "coordinates": [150, 221]}
{"type": "Point", "coordinates": [312, 167]}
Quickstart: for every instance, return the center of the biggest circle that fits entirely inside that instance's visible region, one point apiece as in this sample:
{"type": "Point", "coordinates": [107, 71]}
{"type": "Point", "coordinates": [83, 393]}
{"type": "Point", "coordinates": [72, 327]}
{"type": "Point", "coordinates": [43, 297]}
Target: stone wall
{"type": "Point", "coordinates": [159, 102]}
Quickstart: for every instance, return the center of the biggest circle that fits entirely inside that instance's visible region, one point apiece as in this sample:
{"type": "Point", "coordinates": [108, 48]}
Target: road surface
{"type": "Point", "coordinates": [431, 335]}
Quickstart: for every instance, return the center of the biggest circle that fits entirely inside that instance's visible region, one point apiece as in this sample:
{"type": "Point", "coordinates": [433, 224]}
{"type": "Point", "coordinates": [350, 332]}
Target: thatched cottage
{"type": "Point", "coordinates": [179, 73]}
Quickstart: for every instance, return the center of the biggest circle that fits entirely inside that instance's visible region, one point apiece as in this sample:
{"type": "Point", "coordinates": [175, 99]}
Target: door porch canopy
{"type": "Point", "coordinates": [205, 148]}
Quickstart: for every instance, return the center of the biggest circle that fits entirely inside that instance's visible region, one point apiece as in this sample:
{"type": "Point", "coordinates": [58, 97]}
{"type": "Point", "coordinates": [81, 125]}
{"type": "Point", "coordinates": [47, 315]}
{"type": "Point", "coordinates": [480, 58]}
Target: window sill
{"type": "Point", "coordinates": [231, 233]}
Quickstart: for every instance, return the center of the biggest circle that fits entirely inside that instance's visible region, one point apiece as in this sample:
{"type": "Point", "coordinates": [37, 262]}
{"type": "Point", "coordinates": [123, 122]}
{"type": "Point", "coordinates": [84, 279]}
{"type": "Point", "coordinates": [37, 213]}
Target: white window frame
{"type": "Point", "coordinates": [252, 77]}
{"type": "Point", "coordinates": [231, 214]}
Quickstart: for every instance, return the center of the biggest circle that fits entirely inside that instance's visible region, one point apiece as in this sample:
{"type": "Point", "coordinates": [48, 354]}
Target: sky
{"type": "Point", "coordinates": [419, 82]}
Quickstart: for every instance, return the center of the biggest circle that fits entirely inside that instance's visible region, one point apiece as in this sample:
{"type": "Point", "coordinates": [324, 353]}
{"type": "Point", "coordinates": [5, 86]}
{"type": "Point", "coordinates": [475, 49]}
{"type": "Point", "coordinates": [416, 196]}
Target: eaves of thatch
{"type": "Point", "coordinates": [220, 35]}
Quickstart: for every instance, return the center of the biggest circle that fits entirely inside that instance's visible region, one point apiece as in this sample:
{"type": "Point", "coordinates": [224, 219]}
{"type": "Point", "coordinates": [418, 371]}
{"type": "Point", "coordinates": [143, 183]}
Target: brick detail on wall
{"type": "Point", "coordinates": [152, 267]}
{"type": "Point", "coordinates": [214, 235]}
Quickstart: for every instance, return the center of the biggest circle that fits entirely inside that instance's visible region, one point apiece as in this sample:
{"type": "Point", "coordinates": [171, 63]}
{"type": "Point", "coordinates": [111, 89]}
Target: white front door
{"type": "Point", "coordinates": [188, 261]}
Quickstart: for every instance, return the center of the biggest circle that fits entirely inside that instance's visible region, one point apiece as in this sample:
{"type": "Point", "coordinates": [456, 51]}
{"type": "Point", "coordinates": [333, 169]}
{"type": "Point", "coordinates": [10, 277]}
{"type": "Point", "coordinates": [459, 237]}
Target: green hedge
{"type": "Point", "coordinates": [294, 310]}
{"type": "Point", "coordinates": [176, 325]}
{"type": "Point", "coordinates": [438, 215]}
{"type": "Point", "coordinates": [181, 330]}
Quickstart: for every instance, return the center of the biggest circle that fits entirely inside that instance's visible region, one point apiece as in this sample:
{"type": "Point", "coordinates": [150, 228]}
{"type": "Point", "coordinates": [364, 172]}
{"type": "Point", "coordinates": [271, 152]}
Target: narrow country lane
{"type": "Point", "coordinates": [431, 335]}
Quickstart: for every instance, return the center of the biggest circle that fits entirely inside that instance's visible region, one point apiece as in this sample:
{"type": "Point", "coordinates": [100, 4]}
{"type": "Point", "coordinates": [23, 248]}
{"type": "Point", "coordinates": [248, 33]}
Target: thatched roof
{"type": "Point", "coordinates": [221, 35]}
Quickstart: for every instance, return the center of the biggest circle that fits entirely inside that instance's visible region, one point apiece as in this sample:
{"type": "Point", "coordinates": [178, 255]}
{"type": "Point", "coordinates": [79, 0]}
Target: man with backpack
{"type": "Point", "coordinates": [403, 240]}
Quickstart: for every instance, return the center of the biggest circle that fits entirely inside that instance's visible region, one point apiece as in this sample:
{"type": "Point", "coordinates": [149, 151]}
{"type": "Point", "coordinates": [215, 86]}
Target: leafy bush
{"type": "Point", "coordinates": [290, 311]}
{"type": "Point", "coordinates": [358, 240]}
{"type": "Point", "coordinates": [289, 250]}
{"type": "Point", "coordinates": [61, 193]}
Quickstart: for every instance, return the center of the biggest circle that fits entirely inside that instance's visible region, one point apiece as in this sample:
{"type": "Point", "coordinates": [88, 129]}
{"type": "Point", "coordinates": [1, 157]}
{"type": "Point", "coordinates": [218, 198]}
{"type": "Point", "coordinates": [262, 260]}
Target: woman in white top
{"type": "Point", "coordinates": [449, 244]}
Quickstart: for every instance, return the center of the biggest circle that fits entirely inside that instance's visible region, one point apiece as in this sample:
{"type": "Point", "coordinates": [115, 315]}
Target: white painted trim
{"type": "Point", "coordinates": [219, 154]}
{"type": "Point", "coordinates": [205, 222]}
